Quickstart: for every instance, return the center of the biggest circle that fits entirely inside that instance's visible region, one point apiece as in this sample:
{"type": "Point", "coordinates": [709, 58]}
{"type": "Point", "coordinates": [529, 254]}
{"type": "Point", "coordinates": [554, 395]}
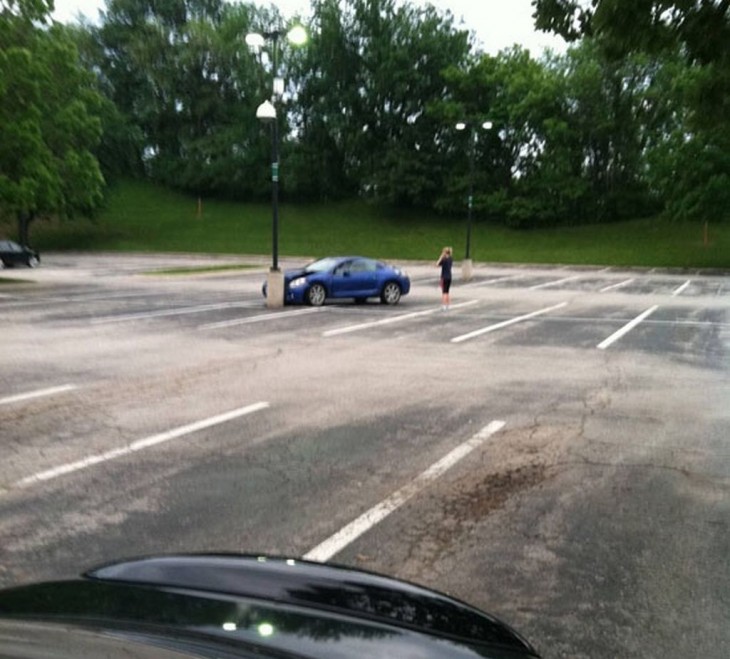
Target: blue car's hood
{"type": "Point", "coordinates": [290, 275]}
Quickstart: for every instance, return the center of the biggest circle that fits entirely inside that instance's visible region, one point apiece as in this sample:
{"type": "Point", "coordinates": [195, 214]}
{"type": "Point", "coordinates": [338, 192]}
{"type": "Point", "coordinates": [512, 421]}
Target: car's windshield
{"type": "Point", "coordinates": [322, 265]}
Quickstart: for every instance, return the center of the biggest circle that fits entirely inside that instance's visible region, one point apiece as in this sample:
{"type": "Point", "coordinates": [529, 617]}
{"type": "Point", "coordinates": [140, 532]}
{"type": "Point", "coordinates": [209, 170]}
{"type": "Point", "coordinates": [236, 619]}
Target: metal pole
{"type": "Point", "coordinates": [275, 193]}
{"type": "Point", "coordinates": [470, 201]}
{"type": "Point", "coordinates": [275, 160]}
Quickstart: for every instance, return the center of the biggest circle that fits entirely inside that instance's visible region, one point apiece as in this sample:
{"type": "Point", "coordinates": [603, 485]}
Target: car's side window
{"type": "Point", "coordinates": [343, 268]}
{"type": "Point", "coordinates": [362, 265]}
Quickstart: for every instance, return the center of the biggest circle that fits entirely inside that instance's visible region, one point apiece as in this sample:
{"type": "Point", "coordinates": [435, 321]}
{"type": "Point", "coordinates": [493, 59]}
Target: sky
{"type": "Point", "coordinates": [497, 23]}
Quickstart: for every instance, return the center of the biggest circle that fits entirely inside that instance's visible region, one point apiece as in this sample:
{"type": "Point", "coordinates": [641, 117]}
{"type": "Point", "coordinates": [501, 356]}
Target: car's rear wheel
{"type": "Point", "coordinates": [316, 295]}
{"type": "Point", "coordinates": [391, 293]}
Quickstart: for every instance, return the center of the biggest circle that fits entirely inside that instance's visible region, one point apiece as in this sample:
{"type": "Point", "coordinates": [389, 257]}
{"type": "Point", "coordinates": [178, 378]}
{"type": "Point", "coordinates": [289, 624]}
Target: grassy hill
{"type": "Point", "coordinates": [142, 217]}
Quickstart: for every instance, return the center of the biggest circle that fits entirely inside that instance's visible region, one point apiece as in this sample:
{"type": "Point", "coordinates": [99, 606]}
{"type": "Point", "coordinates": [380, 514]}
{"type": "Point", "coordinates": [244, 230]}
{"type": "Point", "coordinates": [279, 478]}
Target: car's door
{"type": "Point", "coordinates": [342, 281]}
{"type": "Point", "coordinates": [363, 273]}
{"type": "Point", "coordinates": [355, 278]}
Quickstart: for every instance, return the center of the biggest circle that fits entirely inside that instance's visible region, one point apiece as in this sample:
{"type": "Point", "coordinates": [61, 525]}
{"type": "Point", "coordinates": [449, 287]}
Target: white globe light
{"type": "Point", "coordinates": [266, 111]}
{"type": "Point", "coordinates": [297, 35]}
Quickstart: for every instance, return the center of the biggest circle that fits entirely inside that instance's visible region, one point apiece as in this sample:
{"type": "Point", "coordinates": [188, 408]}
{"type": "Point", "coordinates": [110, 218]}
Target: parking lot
{"type": "Point", "coordinates": [553, 448]}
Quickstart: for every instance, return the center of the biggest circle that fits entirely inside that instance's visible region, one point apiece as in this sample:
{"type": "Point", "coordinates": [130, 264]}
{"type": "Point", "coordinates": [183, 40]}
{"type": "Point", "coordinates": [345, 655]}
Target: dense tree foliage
{"type": "Point", "coordinates": [49, 125]}
{"type": "Point", "coordinates": [176, 70]}
{"type": "Point", "coordinates": [630, 120]}
{"type": "Point", "coordinates": [690, 164]}
{"type": "Point", "coordinates": [367, 78]}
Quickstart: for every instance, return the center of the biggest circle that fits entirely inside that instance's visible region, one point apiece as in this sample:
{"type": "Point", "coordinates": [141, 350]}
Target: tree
{"type": "Point", "coordinates": [322, 163]}
{"type": "Point", "coordinates": [528, 167]}
{"type": "Point", "coordinates": [372, 68]}
{"type": "Point", "coordinates": [48, 122]}
{"type": "Point", "coordinates": [699, 27]}
{"type": "Point", "coordinates": [699, 31]}
{"type": "Point", "coordinates": [180, 72]}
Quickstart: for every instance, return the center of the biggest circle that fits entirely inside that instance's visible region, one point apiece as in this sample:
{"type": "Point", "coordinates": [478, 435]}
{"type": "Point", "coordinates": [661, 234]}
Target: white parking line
{"type": "Point", "coordinates": [679, 290]}
{"type": "Point", "coordinates": [492, 281]}
{"type": "Point", "coordinates": [621, 284]}
{"type": "Point", "coordinates": [39, 393]}
{"type": "Point", "coordinates": [336, 543]}
{"type": "Point", "coordinates": [139, 445]}
{"type": "Point", "coordinates": [180, 311]}
{"type": "Point", "coordinates": [45, 301]}
{"type": "Point", "coordinates": [626, 328]}
{"type": "Point", "coordinates": [506, 323]}
{"type": "Point", "coordinates": [260, 318]}
{"type": "Point", "coordinates": [553, 283]}
{"type": "Point", "coordinates": [392, 319]}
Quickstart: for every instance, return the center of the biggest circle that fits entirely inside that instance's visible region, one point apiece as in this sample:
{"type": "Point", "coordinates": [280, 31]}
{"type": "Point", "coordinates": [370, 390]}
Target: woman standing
{"type": "Point", "coordinates": [445, 261]}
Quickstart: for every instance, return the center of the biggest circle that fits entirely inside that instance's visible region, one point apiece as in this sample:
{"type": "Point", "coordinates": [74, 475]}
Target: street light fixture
{"type": "Point", "coordinates": [266, 112]}
{"type": "Point", "coordinates": [467, 268]}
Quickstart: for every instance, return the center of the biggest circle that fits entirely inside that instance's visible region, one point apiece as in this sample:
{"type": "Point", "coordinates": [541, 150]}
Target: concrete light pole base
{"type": "Point", "coordinates": [467, 272]}
{"type": "Point", "coordinates": [275, 289]}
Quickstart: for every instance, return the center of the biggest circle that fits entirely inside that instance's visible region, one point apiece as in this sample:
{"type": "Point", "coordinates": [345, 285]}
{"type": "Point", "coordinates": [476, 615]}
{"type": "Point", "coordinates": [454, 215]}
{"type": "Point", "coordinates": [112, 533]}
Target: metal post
{"type": "Point", "coordinates": [470, 201]}
{"type": "Point", "coordinates": [275, 193]}
{"type": "Point", "coordinates": [275, 279]}
{"type": "Point", "coordinates": [275, 159]}
{"type": "Point", "coordinates": [267, 113]}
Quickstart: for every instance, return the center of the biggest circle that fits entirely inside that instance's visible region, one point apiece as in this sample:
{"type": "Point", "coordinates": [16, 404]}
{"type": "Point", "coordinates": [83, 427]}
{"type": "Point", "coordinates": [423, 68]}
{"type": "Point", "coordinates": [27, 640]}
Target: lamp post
{"type": "Point", "coordinates": [467, 268]}
{"type": "Point", "coordinates": [266, 112]}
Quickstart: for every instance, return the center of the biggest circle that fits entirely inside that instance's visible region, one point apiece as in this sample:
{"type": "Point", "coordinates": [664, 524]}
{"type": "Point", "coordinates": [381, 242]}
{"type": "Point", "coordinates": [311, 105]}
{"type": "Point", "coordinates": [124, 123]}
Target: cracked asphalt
{"type": "Point", "coordinates": [596, 521]}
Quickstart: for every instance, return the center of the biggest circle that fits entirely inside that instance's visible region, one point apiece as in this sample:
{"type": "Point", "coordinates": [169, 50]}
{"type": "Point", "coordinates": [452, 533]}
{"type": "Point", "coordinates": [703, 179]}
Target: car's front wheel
{"type": "Point", "coordinates": [316, 295]}
{"type": "Point", "coordinates": [391, 293]}
{"type": "Point", "coordinates": [33, 262]}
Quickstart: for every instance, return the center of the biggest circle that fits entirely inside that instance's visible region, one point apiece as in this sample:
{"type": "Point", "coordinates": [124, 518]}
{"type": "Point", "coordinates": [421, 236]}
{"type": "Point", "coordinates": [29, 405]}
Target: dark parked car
{"type": "Point", "coordinates": [344, 277]}
{"type": "Point", "coordinates": [12, 254]}
{"type": "Point", "coordinates": [224, 606]}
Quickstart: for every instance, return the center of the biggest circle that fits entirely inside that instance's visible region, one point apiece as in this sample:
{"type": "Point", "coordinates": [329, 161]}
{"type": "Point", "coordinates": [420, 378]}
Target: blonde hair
{"type": "Point", "coordinates": [447, 250]}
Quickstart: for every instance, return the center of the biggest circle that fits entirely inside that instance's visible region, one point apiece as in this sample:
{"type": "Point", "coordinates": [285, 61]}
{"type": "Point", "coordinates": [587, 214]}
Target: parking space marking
{"type": "Point", "coordinates": [626, 328]}
{"type": "Point", "coordinates": [349, 533]}
{"type": "Point", "coordinates": [557, 282]}
{"type": "Point", "coordinates": [45, 301]}
{"type": "Point", "coordinates": [506, 323]}
{"type": "Point", "coordinates": [180, 311]}
{"type": "Point", "coordinates": [492, 281]}
{"type": "Point", "coordinates": [393, 319]}
{"type": "Point", "coordinates": [260, 318]}
{"type": "Point", "coordinates": [679, 290]}
{"type": "Point", "coordinates": [139, 445]}
{"type": "Point", "coordinates": [39, 393]}
{"type": "Point", "coordinates": [621, 284]}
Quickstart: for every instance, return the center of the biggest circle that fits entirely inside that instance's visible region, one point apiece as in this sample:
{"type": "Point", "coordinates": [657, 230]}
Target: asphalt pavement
{"type": "Point", "coordinates": [552, 449]}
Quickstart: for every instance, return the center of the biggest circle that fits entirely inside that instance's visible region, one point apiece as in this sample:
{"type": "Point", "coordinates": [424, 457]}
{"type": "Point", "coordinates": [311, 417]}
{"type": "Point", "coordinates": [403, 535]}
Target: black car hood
{"type": "Point", "coordinates": [269, 605]}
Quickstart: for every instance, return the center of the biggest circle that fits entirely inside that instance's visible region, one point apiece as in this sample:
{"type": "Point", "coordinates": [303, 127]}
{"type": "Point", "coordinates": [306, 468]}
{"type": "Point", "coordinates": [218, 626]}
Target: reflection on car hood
{"type": "Point", "coordinates": [228, 605]}
{"type": "Point", "coordinates": [290, 275]}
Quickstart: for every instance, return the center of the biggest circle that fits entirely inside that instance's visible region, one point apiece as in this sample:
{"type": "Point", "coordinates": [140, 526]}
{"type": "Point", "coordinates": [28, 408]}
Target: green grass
{"type": "Point", "coordinates": [141, 217]}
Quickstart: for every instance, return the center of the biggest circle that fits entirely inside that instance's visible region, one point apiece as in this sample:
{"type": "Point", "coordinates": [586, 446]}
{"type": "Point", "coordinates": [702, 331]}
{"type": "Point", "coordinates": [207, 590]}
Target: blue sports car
{"type": "Point", "coordinates": [344, 277]}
